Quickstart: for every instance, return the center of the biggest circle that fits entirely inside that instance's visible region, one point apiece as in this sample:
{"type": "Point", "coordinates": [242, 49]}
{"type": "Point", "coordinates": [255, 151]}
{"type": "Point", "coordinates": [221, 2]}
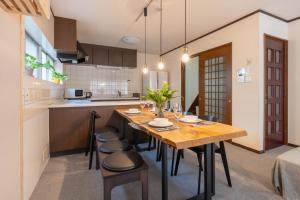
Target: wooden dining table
{"type": "Point", "coordinates": [183, 136]}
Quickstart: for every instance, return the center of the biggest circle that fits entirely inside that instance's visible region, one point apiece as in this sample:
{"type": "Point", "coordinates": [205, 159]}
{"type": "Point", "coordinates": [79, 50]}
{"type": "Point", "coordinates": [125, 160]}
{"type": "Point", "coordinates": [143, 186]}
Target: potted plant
{"type": "Point", "coordinates": [58, 77]}
{"type": "Point", "coordinates": [31, 63]}
{"type": "Point", "coordinates": [160, 97]}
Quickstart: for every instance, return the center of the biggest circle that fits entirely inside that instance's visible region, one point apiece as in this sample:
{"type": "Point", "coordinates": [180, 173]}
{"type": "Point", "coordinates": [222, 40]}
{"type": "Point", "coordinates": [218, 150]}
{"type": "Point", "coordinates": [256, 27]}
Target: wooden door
{"type": "Point", "coordinates": [275, 92]}
{"type": "Point", "coordinates": [215, 83]}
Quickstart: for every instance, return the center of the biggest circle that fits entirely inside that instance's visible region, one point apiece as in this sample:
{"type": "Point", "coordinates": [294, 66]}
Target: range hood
{"type": "Point", "coordinates": [80, 56]}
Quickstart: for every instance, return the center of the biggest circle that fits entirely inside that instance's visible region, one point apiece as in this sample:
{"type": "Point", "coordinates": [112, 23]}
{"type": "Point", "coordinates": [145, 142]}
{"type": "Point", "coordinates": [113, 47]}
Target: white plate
{"type": "Point", "coordinates": [128, 112]}
{"type": "Point", "coordinates": [189, 120]}
{"type": "Point", "coordinates": [160, 125]}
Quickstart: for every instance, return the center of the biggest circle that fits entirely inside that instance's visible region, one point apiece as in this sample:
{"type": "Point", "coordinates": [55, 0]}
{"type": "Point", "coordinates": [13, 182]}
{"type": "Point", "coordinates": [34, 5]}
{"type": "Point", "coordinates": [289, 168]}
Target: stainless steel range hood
{"type": "Point", "coordinates": [73, 58]}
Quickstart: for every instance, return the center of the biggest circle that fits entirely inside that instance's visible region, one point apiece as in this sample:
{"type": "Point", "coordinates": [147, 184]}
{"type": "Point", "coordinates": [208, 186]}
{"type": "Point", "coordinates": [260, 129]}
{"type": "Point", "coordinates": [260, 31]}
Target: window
{"type": "Point", "coordinates": [35, 50]}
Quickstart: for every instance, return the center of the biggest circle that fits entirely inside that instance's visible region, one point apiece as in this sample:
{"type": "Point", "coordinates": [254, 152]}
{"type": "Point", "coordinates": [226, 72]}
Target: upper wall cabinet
{"type": "Point", "coordinates": [110, 56]}
{"type": "Point", "coordinates": [129, 58]}
{"type": "Point", "coordinates": [27, 7]}
{"type": "Point", "coordinates": [115, 56]}
{"type": "Point", "coordinates": [100, 55]}
{"type": "Point", "coordinates": [89, 51]}
{"type": "Point", "coordinates": [65, 35]}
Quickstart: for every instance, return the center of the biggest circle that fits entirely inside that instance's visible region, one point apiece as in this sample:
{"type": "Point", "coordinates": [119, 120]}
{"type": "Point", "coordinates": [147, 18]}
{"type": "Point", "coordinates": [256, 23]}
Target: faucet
{"type": "Point", "coordinates": [119, 93]}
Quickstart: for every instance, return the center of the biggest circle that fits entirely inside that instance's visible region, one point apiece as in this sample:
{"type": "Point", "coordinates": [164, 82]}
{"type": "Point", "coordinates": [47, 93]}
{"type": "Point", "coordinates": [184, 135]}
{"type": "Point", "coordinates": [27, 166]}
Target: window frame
{"type": "Point", "coordinates": [38, 74]}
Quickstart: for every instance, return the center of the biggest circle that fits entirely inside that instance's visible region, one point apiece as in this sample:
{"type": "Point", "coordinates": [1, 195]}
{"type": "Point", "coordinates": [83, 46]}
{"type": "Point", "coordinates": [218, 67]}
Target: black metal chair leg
{"type": "Point", "coordinates": [88, 146]}
{"type": "Point", "coordinates": [182, 154]}
{"type": "Point", "coordinates": [179, 152]}
{"type": "Point", "coordinates": [199, 157]}
{"type": "Point", "coordinates": [158, 151]}
{"type": "Point", "coordinates": [91, 151]}
{"type": "Point", "coordinates": [173, 159]}
{"type": "Point", "coordinates": [225, 163]}
{"type": "Point", "coordinates": [97, 156]}
{"type": "Point", "coordinates": [150, 142]}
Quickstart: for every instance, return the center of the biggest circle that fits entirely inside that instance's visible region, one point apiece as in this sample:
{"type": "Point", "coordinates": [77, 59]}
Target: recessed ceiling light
{"type": "Point", "coordinates": [130, 40]}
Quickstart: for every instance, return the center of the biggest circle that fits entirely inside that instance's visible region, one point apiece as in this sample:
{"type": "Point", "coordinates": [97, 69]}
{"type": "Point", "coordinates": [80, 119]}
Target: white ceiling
{"type": "Point", "coordinates": [105, 22]}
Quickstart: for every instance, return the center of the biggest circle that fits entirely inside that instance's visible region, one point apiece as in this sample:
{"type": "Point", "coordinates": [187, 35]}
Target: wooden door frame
{"type": "Point", "coordinates": [285, 82]}
{"type": "Point", "coordinates": [183, 69]}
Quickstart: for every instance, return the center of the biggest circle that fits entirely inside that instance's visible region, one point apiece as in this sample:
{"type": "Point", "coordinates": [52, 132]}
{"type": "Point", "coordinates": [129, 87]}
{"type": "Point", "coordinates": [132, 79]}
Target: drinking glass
{"type": "Point", "coordinates": [177, 109]}
{"type": "Point", "coordinates": [142, 105]}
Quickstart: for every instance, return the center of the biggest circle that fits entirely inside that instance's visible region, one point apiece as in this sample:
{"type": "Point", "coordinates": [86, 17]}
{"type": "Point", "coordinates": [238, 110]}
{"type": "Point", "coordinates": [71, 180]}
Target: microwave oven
{"type": "Point", "coordinates": [72, 93]}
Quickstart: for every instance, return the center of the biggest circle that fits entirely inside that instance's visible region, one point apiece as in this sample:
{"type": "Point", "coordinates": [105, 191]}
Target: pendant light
{"type": "Point", "coordinates": [185, 57]}
{"type": "Point", "coordinates": [145, 69]}
{"type": "Point", "coordinates": [161, 64]}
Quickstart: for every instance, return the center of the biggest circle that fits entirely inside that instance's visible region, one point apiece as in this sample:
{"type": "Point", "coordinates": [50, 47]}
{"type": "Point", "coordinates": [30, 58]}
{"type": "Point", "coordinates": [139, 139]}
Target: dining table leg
{"type": "Point", "coordinates": [164, 171]}
{"type": "Point", "coordinates": [209, 174]}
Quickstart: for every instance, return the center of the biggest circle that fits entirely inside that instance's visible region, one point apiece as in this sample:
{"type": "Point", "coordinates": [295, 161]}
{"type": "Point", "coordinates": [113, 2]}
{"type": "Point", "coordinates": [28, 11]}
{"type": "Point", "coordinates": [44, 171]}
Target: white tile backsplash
{"type": "Point", "coordinates": [36, 90]}
{"type": "Point", "coordinates": [103, 81]}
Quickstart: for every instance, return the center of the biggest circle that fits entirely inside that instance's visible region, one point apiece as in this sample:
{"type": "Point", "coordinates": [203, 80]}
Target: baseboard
{"type": "Point", "coordinates": [68, 152]}
{"type": "Point", "coordinates": [246, 148]}
{"type": "Point", "coordinates": [292, 145]}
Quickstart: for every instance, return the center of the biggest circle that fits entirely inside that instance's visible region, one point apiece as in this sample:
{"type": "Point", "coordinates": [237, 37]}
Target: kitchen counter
{"type": "Point", "coordinates": [88, 103]}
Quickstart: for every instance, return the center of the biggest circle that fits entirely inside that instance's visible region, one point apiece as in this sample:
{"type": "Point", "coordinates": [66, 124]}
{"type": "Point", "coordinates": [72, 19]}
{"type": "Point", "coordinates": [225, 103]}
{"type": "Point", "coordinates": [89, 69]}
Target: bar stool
{"type": "Point", "coordinates": [105, 134]}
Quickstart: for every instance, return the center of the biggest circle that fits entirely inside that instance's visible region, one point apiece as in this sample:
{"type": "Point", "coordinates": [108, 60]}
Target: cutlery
{"type": "Point", "coordinates": [167, 128]}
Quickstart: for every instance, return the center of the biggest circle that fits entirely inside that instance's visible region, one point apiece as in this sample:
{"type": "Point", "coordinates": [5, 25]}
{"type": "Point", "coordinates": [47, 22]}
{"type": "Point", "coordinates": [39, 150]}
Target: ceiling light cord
{"type": "Point", "coordinates": [160, 27]}
{"type": "Point", "coordinates": [184, 23]}
{"type": "Point", "coordinates": [185, 56]}
{"type": "Point", "coordinates": [145, 14]}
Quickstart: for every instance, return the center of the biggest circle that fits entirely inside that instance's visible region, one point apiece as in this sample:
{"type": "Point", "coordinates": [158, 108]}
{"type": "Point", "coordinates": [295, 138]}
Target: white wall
{"type": "Point", "coordinates": [37, 95]}
{"type": "Point", "coordinates": [277, 28]}
{"type": "Point", "coordinates": [10, 104]}
{"type": "Point", "coordinates": [245, 97]}
{"type": "Point", "coordinates": [294, 83]}
{"type": "Point", "coordinates": [191, 81]}
{"type": "Point", "coordinates": [247, 37]}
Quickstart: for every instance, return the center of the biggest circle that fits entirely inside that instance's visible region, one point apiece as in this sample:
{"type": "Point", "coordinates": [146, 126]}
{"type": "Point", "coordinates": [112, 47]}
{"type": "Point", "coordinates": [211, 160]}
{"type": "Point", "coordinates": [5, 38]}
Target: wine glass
{"type": "Point", "coordinates": [177, 109]}
{"type": "Point", "coordinates": [142, 105]}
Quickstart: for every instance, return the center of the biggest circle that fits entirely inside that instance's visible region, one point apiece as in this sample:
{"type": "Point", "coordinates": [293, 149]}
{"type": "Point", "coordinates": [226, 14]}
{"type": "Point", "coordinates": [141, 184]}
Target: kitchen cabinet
{"type": "Point", "coordinates": [115, 57]}
{"type": "Point", "coordinates": [68, 127]}
{"type": "Point", "coordinates": [65, 35]}
{"type": "Point", "coordinates": [129, 58]}
{"type": "Point", "coordinates": [110, 56]}
{"type": "Point", "coordinates": [100, 55]}
{"type": "Point", "coordinates": [88, 48]}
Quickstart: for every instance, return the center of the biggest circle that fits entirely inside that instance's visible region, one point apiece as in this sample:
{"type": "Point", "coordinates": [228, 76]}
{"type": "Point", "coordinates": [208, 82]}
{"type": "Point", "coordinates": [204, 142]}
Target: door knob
{"type": "Point", "coordinates": [229, 101]}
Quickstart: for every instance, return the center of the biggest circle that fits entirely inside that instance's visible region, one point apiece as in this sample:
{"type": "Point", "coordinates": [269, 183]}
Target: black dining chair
{"type": "Point", "coordinates": [200, 151]}
{"type": "Point", "coordinates": [137, 132]}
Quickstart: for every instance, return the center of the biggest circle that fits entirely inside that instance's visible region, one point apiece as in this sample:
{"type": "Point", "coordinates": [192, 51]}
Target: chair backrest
{"type": "Point", "coordinates": [210, 118]}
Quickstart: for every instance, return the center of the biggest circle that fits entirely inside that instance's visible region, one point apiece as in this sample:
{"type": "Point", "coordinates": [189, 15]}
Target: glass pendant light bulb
{"type": "Point", "coordinates": [161, 64]}
{"type": "Point", "coordinates": [185, 57]}
{"type": "Point", "coordinates": [145, 70]}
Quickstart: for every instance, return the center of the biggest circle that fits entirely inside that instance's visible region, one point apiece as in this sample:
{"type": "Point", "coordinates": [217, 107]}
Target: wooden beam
{"type": "Point", "coordinates": [4, 6]}
{"type": "Point", "coordinates": [44, 7]}
{"type": "Point", "coordinates": [10, 6]}
{"type": "Point", "coordinates": [29, 5]}
{"type": "Point", "coordinates": [20, 5]}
